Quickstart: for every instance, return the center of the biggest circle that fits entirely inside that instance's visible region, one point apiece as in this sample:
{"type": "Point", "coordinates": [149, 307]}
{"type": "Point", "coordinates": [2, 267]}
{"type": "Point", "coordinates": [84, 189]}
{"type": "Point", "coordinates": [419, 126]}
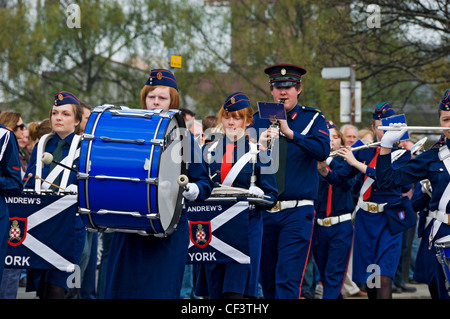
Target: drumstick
{"type": "Point", "coordinates": [37, 177]}
{"type": "Point", "coordinates": [29, 176]}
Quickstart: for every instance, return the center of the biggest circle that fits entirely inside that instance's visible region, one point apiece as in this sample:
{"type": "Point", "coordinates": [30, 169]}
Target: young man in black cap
{"type": "Point", "coordinates": [303, 140]}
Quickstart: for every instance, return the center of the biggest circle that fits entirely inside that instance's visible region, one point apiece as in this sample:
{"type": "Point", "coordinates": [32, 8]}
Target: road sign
{"type": "Point", "coordinates": [336, 72]}
{"type": "Point", "coordinates": [175, 61]}
{"type": "Point", "coordinates": [345, 114]}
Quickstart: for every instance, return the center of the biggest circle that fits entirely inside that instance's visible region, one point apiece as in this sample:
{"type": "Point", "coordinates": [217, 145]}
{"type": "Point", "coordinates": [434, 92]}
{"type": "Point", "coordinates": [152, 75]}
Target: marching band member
{"type": "Point", "coordinates": [160, 91]}
{"type": "Point", "coordinates": [10, 280]}
{"type": "Point", "coordinates": [10, 183]}
{"type": "Point", "coordinates": [374, 244]}
{"type": "Point", "coordinates": [303, 141]}
{"type": "Point", "coordinates": [146, 266]}
{"type": "Point", "coordinates": [433, 165]}
{"type": "Point", "coordinates": [232, 281]}
{"type": "Point", "coordinates": [63, 143]}
{"type": "Point", "coordinates": [333, 229]}
{"type": "Point", "coordinates": [423, 266]}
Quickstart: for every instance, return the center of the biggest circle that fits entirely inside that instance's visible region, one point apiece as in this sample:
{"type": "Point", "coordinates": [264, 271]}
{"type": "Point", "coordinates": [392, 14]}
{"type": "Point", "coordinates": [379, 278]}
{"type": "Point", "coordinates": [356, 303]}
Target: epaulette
{"type": "Point", "coordinates": [308, 108]}
{"type": "Point", "coordinates": [438, 144]}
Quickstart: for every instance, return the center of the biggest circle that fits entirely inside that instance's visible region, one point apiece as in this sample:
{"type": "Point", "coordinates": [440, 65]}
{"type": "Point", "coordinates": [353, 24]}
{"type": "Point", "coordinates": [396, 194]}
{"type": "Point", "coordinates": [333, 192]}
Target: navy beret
{"type": "Point", "coordinates": [236, 101]}
{"type": "Point", "coordinates": [65, 97]}
{"type": "Point", "coordinates": [382, 110]}
{"type": "Point", "coordinates": [162, 77]}
{"type": "Point", "coordinates": [331, 125]}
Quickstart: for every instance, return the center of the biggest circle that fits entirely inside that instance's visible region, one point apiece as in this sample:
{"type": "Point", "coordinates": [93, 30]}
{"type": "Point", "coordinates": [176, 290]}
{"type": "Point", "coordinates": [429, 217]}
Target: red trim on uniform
{"type": "Point", "coordinates": [306, 261]}
{"type": "Point", "coordinates": [16, 168]}
{"type": "Point", "coordinates": [323, 132]}
{"type": "Point", "coordinates": [372, 164]}
{"type": "Point", "coordinates": [288, 65]}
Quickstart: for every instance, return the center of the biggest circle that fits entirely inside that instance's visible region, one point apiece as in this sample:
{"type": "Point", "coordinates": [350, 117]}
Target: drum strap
{"type": "Point", "coordinates": [444, 156]}
{"type": "Point", "coordinates": [74, 152]}
{"type": "Point", "coordinates": [211, 149]}
{"type": "Point", "coordinates": [4, 132]}
{"type": "Point", "coordinates": [232, 174]}
{"type": "Point", "coordinates": [236, 169]}
{"type": "Point", "coordinates": [40, 150]}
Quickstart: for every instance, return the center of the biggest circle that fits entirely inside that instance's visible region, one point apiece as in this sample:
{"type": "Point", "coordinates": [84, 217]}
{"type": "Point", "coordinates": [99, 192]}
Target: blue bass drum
{"type": "Point", "coordinates": [129, 165]}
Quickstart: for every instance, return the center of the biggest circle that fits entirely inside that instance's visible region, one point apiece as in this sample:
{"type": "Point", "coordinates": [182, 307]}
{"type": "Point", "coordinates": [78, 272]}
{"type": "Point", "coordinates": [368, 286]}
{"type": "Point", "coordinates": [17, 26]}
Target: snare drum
{"type": "Point", "coordinates": [443, 256]}
{"type": "Point", "coordinates": [129, 169]}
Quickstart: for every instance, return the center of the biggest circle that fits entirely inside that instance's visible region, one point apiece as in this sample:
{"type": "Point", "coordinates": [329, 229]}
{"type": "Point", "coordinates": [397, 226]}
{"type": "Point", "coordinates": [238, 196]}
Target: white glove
{"type": "Point", "coordinates": [192, 192]}
{"type": "Point", "coordinates": [256, 191]}
{"type": "Point", "coordinates": [391, 137]}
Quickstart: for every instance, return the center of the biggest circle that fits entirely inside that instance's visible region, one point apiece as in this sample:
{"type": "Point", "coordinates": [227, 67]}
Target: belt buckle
{"type": "Point", "coordinates": [276, 208]}
{"type": "Point", "coordinates": [372, 208]}
{"type": "Point", "coordinates": [326, 221]}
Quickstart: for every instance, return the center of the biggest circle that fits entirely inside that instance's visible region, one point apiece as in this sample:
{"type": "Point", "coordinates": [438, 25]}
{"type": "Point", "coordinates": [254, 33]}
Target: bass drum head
{"type": "Point", "coordinates": [171, 166]}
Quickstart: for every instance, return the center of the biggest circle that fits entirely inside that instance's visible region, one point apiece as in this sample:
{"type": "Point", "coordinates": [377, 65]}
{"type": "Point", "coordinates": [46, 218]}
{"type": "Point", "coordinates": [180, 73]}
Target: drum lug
{"type": "Point", "coordinates": [165, 115]}
{"type": "Point", "coordinates": [83, 176]}
{"type": "Point", "coordinates": [157, 142]}
{"type": "Point", "coordinates": [84, 211]}
{"type": "Point", "coordinates": [87, 137]}
{"type": "Point", "coordinates": [103, 108]}
{"type": "Point", "coordinates": [152, 181]}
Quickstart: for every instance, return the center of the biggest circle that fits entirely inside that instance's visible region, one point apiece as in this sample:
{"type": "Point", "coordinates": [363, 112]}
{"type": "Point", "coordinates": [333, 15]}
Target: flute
{"type": "Point", "coordinates": [413, 128]}
{"type": "Point", "coordinates": [375, 144]}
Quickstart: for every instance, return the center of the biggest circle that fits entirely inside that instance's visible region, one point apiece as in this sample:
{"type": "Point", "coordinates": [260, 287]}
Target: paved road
{"type": "Point", "coordinates": [421, 293]}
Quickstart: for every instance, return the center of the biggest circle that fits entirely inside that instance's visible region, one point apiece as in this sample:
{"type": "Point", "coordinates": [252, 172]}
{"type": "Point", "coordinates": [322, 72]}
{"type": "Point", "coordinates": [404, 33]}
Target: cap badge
{"type": "Point", "coordinates": [60, 97]}
{"type": "Point", "coordinates": [283, 71]}
{"type": "Point", "coordinates": [159, 76]}
{"type": "Point", "coordinates": [232, 100]}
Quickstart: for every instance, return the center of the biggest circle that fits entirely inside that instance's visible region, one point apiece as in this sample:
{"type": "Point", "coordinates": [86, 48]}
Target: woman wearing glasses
{"type": "Point", "coordinates": [13, 122]}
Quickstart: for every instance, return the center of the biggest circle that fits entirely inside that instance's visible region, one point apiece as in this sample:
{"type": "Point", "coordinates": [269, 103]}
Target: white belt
{"type": "Point", "coordinates": [333, 220]}
{"type": "Point", "coordinates": [370, 206]}
{"type": "Point", "coordinates": [285, 204]}
{"type": "Point", "coordinates": [440, 216]}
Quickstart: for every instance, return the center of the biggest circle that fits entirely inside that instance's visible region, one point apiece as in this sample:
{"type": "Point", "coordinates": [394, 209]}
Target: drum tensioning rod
{"type": "Point", "coordinates": [117, 212]}
{"type": "Point", "coordinates": [146, 114]}
{"type": "Point", "coordinates": [157, 142]}
{"type": "Point", "coordinates": [90, 137]}
{"type": "Point", "coordinates": [151, 181]}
